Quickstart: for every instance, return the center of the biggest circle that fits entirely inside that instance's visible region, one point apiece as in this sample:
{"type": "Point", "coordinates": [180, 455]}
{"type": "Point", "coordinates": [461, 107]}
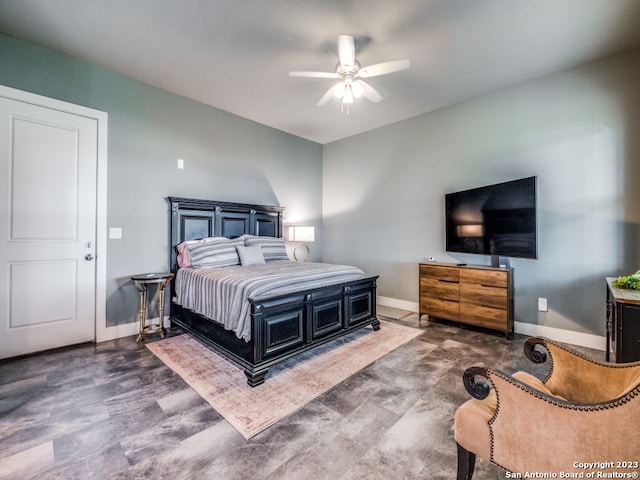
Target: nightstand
{"type": "Point", "coordinates": [142, 281]}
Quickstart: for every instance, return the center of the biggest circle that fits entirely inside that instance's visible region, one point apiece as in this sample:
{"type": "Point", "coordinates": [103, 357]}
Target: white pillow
{"type": "Point", "coordinates": [250, 255]}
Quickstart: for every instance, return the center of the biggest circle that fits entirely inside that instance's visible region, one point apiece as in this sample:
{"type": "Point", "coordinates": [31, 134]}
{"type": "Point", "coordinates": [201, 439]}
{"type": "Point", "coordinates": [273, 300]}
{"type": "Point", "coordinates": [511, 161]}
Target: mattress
{"type": "Point", "coordinates": [222, 294]}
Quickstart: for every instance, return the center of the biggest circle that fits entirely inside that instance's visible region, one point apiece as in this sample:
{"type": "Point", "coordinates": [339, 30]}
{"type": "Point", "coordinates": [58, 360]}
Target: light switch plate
{"type": "Point", "coordinates": [115, 233]}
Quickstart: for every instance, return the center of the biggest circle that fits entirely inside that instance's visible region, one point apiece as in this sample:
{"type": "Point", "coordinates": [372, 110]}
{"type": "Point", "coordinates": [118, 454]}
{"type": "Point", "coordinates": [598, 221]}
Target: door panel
{"type": "Point", "coordinates": [48, 168]}
{"type": "Point", "coordinates": [56, 303]}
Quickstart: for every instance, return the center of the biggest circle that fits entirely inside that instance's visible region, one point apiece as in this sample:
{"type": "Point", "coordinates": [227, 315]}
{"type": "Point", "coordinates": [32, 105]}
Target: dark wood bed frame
{"type": "Point", "coordinates": [281, 326]}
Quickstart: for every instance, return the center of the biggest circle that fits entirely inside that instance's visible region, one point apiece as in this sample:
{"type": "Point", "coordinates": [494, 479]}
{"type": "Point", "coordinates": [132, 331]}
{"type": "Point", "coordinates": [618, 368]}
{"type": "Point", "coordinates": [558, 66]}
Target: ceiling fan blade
{"type": "Point", "coordinates": [369, 92]}
{"type": "Point", "coordinates": [346, 50]}
{"type": "Point", "coordinates": [326, 97]}
{"type": "Point", "coordinates": [314, 74]}
{"type": "Point", "coordinates": [383, 68]}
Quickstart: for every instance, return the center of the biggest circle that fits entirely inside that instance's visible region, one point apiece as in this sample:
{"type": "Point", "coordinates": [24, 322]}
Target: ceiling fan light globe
{"type": "Point", "coordinates": [356, 89]}
{"type": "Point", "coordinates": [338, 90]}
{"type": "Point", "coordinates": [348, 95]}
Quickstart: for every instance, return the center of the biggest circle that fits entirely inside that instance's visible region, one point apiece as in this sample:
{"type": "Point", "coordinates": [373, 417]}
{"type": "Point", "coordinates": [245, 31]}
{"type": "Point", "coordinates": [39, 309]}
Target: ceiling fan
{"type": "Point", "coordinates": [350, 74]}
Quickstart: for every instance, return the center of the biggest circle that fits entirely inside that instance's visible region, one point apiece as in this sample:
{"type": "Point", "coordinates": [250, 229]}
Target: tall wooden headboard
{"type": "Point", "coordinates": [192, 219]}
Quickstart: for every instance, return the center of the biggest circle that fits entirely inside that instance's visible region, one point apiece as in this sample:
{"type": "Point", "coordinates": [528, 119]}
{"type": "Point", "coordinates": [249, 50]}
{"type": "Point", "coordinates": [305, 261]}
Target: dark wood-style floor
{"type": "Point", "coordinates": [114, 411]}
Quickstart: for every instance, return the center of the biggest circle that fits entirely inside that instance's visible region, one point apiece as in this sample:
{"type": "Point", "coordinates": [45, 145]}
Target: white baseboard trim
{"type": "Point", "coordinates": [124, 330]}
{"type": "Point", "coordinates": [588, 340]}
{"type": "Point", "coordinates": [117, 331]}
{"type": "Point", "coordinates": [570, 337]}
{"type": "Point", "coordinates": [401, 304]}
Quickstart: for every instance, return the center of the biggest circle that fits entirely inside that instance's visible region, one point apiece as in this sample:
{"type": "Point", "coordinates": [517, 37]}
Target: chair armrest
{"type": "Point", "coordinates": [576, 377]}
{"type": "Point", "coordinates": [476, 381]}
{"type": "Point", "coordinates": [534, 431]}
{"type": "Point", "coordinates": [534, 354]}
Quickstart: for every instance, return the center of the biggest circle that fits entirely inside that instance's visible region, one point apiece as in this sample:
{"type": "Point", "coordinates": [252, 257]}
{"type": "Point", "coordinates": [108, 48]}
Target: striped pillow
{"type": "Point", "coordinates": [184, 260]}
{"type": "Point", "coordinates": [272, 248]}
{"type": "Point", "coordinates": [215, 252]}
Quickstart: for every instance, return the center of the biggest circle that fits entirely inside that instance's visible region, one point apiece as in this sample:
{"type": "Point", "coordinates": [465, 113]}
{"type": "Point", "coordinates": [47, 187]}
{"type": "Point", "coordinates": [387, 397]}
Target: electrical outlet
{"type": "Point", "coordinates": [542, 305]}
{"type": "Point", "coordinates": [180, 163]}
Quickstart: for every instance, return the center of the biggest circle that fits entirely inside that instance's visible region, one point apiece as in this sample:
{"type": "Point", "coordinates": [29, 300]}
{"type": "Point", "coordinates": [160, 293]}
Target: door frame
{"type": "Point", "coordinates": [102, 332]}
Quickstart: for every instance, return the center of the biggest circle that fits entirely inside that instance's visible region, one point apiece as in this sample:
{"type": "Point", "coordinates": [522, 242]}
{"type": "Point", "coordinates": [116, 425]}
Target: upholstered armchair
{"type": "Point", "coordinates": [584, 417]}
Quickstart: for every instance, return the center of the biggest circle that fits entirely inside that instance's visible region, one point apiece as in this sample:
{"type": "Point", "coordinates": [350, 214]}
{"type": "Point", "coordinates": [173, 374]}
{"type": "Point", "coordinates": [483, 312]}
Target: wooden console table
{"type": "Point", "coordinates": [470, 294]}
{"type": "Point", "coordinates": [623, 324]}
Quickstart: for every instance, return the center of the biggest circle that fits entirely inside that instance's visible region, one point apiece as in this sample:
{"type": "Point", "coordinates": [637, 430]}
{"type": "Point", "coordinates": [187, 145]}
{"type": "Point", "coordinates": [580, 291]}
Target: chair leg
{"type": "Point", "coordinates": [466, 463]}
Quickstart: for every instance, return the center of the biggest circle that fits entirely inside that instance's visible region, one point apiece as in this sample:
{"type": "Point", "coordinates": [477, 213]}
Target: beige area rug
{"type": "Point", "coordinates": [251, 410]}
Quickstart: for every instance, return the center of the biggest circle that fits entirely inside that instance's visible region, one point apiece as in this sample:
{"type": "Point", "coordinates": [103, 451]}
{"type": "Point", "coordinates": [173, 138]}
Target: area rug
{"type": "Point", "coordinates": [288, 386]}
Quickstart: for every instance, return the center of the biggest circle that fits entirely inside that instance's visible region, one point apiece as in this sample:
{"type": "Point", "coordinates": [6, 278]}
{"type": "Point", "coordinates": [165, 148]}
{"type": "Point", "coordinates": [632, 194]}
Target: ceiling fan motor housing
{"type": "Point", "coordinates": [352, 70]}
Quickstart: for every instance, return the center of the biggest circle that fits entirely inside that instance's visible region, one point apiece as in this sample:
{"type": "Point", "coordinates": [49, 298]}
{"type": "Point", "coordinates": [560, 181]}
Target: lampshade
{"type": "Point", "coordinates": [301, 233]}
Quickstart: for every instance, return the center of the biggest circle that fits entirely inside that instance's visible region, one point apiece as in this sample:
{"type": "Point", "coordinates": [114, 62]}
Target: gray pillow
{"type": "Point", "coordinates": [214, 253]}
{"type": "Point", "coordinates": [250, 255]}
{"type": "Point", "coordinates": [272, 248]}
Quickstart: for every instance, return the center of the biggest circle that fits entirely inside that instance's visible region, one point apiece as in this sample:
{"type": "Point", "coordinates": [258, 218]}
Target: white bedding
{"type": "Point", "coordinates": [221, 294]}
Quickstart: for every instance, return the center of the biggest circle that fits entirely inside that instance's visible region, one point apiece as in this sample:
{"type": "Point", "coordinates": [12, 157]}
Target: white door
{"type": "Point", "coordinates": [48, 162]}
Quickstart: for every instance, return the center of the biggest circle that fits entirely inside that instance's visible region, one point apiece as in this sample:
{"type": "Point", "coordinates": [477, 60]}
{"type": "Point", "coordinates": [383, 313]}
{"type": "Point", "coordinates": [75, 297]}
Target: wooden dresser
{"type": "Point", "coordinates": [470, 294]}
{"type": "Point", "coordinates": [623, 324]}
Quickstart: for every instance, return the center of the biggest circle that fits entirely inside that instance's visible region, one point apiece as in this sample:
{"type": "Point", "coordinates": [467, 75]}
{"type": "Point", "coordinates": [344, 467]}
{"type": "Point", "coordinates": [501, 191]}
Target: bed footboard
{"type": "Point", "coordinates": [286, 325]}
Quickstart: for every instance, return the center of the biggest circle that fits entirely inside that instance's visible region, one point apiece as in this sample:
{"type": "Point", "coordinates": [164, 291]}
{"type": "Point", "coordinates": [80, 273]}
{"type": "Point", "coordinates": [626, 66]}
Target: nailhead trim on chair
{"type": "Point", "coordinates": [590, 407]}
{"type": "Point", "coordinates": [587, 407]}
{"type": "Point", "coordinates": [531, 342]}
{"type": "Point", "coordinates": [547, 398]}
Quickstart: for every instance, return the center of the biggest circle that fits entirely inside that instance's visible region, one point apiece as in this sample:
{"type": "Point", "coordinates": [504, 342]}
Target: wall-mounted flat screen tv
{"type": "Point", "coordinates": [498, 220]}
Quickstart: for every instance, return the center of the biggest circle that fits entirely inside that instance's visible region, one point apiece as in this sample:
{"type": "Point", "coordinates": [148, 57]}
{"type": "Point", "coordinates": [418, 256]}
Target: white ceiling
{"type": "Point", "coordinates": [236, 54]}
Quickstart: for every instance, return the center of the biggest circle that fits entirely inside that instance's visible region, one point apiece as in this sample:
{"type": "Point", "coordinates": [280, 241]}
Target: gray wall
{"type": "Point", "coordinates": [226, 158]}
{"type": "Point", "coordinates": [577, 131]}
{"type": "Point", "coordinates": [377, 198]}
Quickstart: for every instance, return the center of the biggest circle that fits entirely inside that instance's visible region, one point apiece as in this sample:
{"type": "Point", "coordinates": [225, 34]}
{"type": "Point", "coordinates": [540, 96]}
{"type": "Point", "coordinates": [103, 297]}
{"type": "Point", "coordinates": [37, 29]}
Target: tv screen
{"type": "Point", "coordinates": [498, 220]}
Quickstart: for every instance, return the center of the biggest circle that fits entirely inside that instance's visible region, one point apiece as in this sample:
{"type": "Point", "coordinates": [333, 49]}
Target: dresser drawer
{"type": "Point", "coordinates": [440, 308]}
{"type": "Point", "coordinates": [487, 317]}
{"type": "Point", "coordinates": [483, 295]}
{"type": "Point", "coordinates": [449, 274]}
{"type": "Point", "coordinates": [479, 276]}
{"type": "Point", "coordinates": [434, 288]}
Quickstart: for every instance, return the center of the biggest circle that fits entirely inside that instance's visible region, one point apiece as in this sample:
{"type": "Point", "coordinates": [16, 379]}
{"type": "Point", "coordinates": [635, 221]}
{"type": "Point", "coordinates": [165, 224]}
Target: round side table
{"type": "Point", "coordinates": [142, 281]}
